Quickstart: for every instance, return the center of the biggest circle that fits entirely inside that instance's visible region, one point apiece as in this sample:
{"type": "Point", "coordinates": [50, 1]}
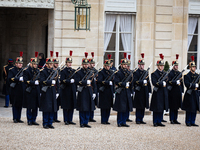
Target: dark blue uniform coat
{"type": "Point", "coordinates": [124, 99]}
{"type": "Point", "coordinates": [105, 97]}
{"type": "Point", "coordinates": [141, 99]}
{"type": "Point", "coordinates": [175, 94]}
{"type": "Point", "coordinates": [159, 99]}
{"type": "Point", "coordinates": [31, 100]}
{"type": "Point", "coordinates": [84, 99]}
{"type": "Point", "coordinates": [68, 94]}
{"type": "Point", "coordinates": [48, 101]}
{"type": "Point", "coordinates": [190, 102]}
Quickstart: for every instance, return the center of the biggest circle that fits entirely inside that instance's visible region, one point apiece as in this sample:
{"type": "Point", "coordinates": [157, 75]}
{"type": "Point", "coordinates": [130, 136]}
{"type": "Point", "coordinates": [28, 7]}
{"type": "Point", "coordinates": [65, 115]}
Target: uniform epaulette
{"type": "Point", "coordinates": [11, 68]}
{"type": "Point", "coordinates": [5, 66]}
{"type": "Point", "coordinates": [185, 73]}
{"type": "Point", "coordinates": [153, 72]}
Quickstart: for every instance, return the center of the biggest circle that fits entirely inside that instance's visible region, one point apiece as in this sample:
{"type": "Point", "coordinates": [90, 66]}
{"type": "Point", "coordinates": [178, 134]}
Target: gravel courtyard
{"type": "Point", "coordinates": [22, 136]}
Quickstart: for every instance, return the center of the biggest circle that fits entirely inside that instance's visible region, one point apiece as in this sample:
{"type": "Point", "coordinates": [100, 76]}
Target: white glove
{"type": "Point", "coordinates": [88, 82]}
{"type": "Point", "coordinates": [131, 95]}
{"type": "Point", "coordinates": [21, 79]}
{"type": "Point", "coordinates": [149, 94]}
{"type": "Point", "coordinates": [72, 81]}
{"type": "Point", "coordinates": [196, 85]}
{"type": "Point", "coordinates": [93, 96]}
{"type": "Point", "coordinates": [53, 82]}
{"type": "Point", "coordinates": [164, 83]}
{"type": "Point", "coordinates": [36, 82]}
{"type": "Point", "coordinates": [110, 83]}
{"type": "Point", "coordinates": [127, 84]}
{"type": "Point", "coordinates": [145, 81]}
{"type": "Point", "coordinates": [178, 82]}
{"type": "Point", "coordinates": [57, 95]}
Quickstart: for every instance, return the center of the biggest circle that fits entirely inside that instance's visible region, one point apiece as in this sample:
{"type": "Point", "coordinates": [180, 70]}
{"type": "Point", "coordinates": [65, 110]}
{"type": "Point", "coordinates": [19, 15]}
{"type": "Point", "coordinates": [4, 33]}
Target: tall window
{"type": "Point", "coordinates": [118, 37]}
{"type": "Point", "coordinates": [194, 40]}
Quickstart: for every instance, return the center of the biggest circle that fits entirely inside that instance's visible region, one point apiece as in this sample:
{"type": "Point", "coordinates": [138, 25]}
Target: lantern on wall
{"type": "Point", "coordinates": [82, 15]}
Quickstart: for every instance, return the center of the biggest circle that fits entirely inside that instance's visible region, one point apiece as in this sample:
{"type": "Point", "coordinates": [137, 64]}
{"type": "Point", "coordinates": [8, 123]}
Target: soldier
{"type": "Point", "coordinates": [16, 83]}
{"type": "Point", "coordinates": [159, 99]}
{"type": "Point", "coordinates": [142, 91]}
{"type": "Point", "coordinates": [123, 102]}
{"type": "Point", "coordinates": [111, 65]}
{"type": "Point", "coordinates": [175, 94]}
{"type": "Point", "coordinates": [31, 100]}
{"type": "Point", "coordinates": [106, 94]}
{"type": "Point", "coordinates": [48, 102]}
{"type": "Point", "coordinates": [6, 85]}
{"type": "Point", "coordinates": [91, 67]}
{"type": "Point", "coordinates": [191, 100]}
{"type": "Point", "coordinates": [55, 65]}
{"type": "Point", "coordinates": [85, 98]}
{"type": "Point", "coordinates": [42, 60]}
{"type": "Point", "coordinates": [68, 91]}
{"type": "Point", "coordinates": [129, 69]}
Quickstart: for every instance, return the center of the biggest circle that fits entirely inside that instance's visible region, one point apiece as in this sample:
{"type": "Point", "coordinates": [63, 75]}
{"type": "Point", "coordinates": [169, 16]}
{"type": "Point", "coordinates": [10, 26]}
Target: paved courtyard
{"type": "Point", "coordinates": [22, 136]}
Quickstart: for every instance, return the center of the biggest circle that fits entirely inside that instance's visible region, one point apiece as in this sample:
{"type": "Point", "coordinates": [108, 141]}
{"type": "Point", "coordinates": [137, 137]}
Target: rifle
{"type": "Point", "coordinates": [162, 78]}
{"type": "Point", "coordinates": [62, 86]}
{"type": "Point", "coordinates": [51, 77]}
{"type": "Point", "coordinates": [178, 76]}
{"type": "Point", "coordinates": [126, 79]}
{"type": "Point", "coordinates": [35, 77]}
{"type": "Point", "coordinates": [102, 88]}
{"type": "Point", "coordinates": [86, 77]}
{"type": "Point", "coordinates": [194, 82]}
{"type": "Point", "coordinates": [18, 75]}
{"type": "Point", "coordinates": [144, 75]}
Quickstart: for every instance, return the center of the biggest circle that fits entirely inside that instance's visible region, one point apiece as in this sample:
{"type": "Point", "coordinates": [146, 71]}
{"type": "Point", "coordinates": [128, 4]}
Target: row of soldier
{"type": "Point", "coordinates": [55, 85]}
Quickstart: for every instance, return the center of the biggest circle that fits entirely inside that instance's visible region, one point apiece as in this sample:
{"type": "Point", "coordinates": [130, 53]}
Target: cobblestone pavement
{"type": "Point", "coordinates": [22, 136]}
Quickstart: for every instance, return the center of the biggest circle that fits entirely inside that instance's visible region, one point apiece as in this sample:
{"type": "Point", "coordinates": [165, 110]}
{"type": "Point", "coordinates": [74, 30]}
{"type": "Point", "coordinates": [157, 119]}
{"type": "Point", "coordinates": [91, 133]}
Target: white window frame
{"type": "Point", "coordinates": [198, 46]}
{"type": "Point", "coordinates": [117, 32]}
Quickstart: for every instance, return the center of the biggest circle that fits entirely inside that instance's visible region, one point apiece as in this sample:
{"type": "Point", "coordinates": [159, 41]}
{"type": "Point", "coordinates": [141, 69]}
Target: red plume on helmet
{"type": "Point", "coordinates": [142, 54]}
{"type": "Point", "coordinates": [109, 56]}
{"type": "Point", "coordinates": [92, 53]}
{"type": "Point", "coordinates": [86, 54]}
{"type": "Point", "coordinates": [129, 57]}
{"type": "Point", "coordinates": [70, 53]}
{"type": "Point", "coordinates": [160, 56]}
{"type": "Point", "coordinates": [20, 54]}
{"type": "Point", "coordinates": [177, 55]}
{"type": "Point", "coordinates": [57, 54]}
{"type": "Point", "coordinates": [51, 53]}
{"type": "Point", "coordinates": [125, 54]}
{"type": "Point", "coordinates": [192, 57]}
{"type": "Point", "coordinates": [36, 54]}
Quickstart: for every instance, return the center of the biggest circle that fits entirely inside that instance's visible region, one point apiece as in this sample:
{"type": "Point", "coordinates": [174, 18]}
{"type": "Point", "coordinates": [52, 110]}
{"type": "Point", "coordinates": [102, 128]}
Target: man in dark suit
{"type": "Point", "coordinates": [175, 93]}
{"type": "Point", "coordinates": [6, 85]}
{"type": "Point", "coordinates": [191, 100]}
{"type": "Point", "coordinates": [159, 99]}
{"type": "Point", "coordinates": [68, 91]}
{"type": "Point", "coordinates": [32, 97]}
{"type": "Point", "coordinates": [142, 91]}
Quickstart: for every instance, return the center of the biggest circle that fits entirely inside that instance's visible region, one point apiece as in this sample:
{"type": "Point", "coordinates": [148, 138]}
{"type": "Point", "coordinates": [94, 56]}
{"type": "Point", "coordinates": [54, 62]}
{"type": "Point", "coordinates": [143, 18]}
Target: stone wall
{"type": "Point", "coordinates": [67, 39]}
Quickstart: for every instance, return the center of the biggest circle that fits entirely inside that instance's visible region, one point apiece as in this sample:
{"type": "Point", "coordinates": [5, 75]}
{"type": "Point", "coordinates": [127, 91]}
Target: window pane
{"type": "Point", "coordinates": [113, 56]}
{"type": "Point", "coordinates": [193, 45]}
{"type": "Point", "coordinates": [111, 45]}
{"type": "Point", "coordinates": [124, 42]}
{"type": "Point", "coordinates": [125, 23]}
{"type": "Point", "coordinates": [196, 30]}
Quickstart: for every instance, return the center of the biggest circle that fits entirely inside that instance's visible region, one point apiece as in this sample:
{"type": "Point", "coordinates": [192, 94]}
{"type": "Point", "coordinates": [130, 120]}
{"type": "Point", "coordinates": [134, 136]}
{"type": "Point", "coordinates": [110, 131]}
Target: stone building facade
{"type": "Point", "coordinates": [149, 26]}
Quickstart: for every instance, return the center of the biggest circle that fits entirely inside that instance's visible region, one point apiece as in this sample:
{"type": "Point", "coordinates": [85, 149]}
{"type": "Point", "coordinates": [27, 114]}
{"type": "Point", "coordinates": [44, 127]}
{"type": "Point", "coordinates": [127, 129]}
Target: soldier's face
{"type": "Point", "coordinates": [85, 66]}
{"type": "Point", "coordinates": [19, 65]}
{"type": "Point", "coordinates": [124, 66]}
{"type": "Point", "coordinates": [128, 67]}
{"type": "Point", "coordinates": [160, 68]}
{"type": "Point", "coordinates": [141, 67]}
{"type": "Point", "coordinates": [92, 65]}
{"type": "Point", "coordinates": [34, 66]}
{"type": "Point", "coordinates": [50, 65]}
{"type": "Point", "coordinates": [193, 69]}
{"type": "Point", "coordinates": [56, 65]}
{"type": "Point", "coordinates": [107, 67]}
{"type": "Point", "coordinates": [68, 64]}
{"type": "Point", "coordinates": [176, 67]}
